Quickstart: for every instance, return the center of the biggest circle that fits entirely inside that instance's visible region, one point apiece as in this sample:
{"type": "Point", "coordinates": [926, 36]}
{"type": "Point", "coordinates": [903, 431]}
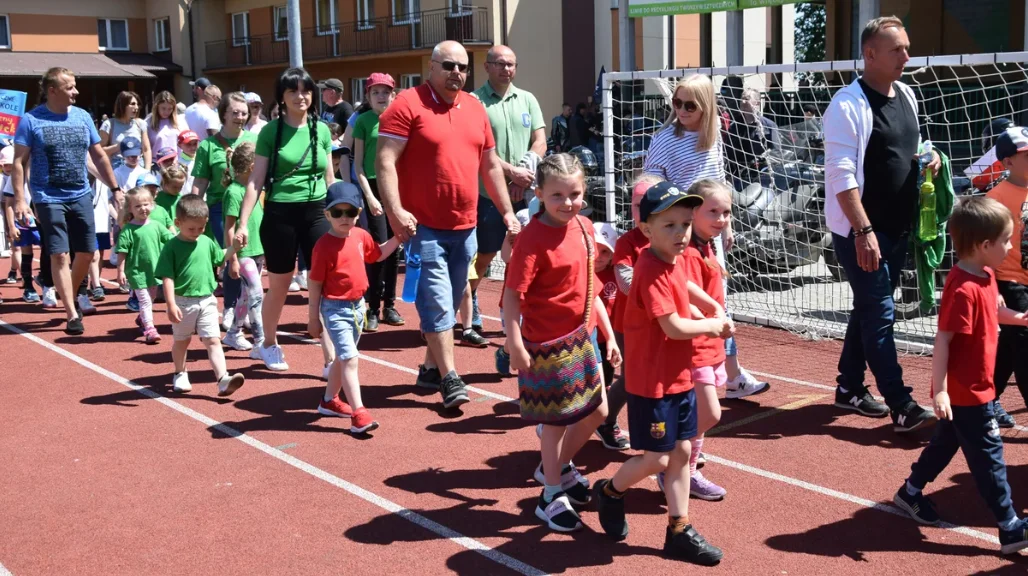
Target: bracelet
{"type": "Point", "coordinates": [863, 231]}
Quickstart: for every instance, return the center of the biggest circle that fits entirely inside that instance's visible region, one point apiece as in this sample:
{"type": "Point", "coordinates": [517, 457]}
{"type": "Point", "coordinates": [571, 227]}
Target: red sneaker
{"type": "Point", "coordinates": [362, 422]}
{"type": "Point", "coordinates": [335, 407]}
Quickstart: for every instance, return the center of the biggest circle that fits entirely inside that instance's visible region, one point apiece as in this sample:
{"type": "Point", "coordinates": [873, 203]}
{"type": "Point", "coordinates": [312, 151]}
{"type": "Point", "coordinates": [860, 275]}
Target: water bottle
{"type": "Point", "coordinates": [928, 225]}
{"type": "Point", "coordinates": [412, 275]}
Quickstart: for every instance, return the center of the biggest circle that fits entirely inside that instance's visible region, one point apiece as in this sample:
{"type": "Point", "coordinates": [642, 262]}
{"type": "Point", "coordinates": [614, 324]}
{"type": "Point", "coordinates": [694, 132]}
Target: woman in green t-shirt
{"type": "Point", "coordinates": [294, 168]}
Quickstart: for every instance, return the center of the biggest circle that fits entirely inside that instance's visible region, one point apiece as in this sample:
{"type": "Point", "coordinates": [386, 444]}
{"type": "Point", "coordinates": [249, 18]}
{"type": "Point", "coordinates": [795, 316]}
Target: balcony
{"type": "Point", "coordinates": [422, 30]}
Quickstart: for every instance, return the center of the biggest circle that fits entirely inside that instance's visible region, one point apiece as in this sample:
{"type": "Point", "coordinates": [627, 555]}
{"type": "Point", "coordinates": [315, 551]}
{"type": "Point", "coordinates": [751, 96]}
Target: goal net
{"type": "Point", "coordinates": [784, 272]}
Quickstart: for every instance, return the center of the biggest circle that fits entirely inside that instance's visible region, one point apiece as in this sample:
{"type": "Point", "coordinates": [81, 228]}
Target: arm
{"type": "Point", "coordinates": [122, 280]}
{"type": "Point", "coordinates": [147, 151]}
{"type": "Point", "coordinates": [105, 142]}
{"type": "Point", "coordinates": [623, 277]}
{"type": "Point", "coordinates": [603, 321]}
{"type": "Point", "coordinates": [330, 173]}
{"type": "Point", "coordinates": [519, 358]}
{"type": "Point", "coordinates": [12, 230]}
{"type": "Point", "coordinates": [492, 174]}
{"type": "Point", "coordinates": [200, 186]}
{"type": "Point", "coordinates": [103, 166]}
{"type": "Point", "coordinates": [253, 187]}
{"type": "Point", "coordinates": [940, 363]}
{"type": "Point", "coordinates": [403, 223]}
{"type": "Point", "coordinates": [678, 328]}
{"type": "Point", "coordinates": [388, 247]}
{"type": "Point", "coordinates": [344, 164]}
{"type": "Point", "coordinates": [507, 248]}
{"type": "Point", "coordinates": [1008, 316]}
{"type": "Point", "coordinates": [230, 234]}
{"type": "Point", "coordinates": [703, 301]}
{"type": "Point", "coordinates": [868, 254]}
{"type": "Point", "coordinates": [374, 206]}
{"type": "Point", "coordinates": [314, 308]}
{"type": "Point", "coordinates": [21, 197]}
{"type": "Point", "coordinates": [174, 313]}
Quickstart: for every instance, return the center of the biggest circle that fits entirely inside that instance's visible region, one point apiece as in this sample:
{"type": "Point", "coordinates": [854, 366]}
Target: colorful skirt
{"type": "Point", "coordinates": [564, 383]}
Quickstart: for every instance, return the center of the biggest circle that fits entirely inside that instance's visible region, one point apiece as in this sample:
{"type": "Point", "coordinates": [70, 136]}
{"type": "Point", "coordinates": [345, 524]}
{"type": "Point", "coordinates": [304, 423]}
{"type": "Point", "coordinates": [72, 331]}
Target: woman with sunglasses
{"type": "Point", "coordinates": [294, 168]}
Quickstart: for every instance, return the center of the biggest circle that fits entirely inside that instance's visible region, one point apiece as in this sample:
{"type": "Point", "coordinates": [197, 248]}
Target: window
{"type": "Point", "coordinates": [460, 7]}
{"type": "Point", "coordinates": [409, 81]}
{"type": "Point", "coordinates": [113, 34]}
{"type": "Point", "coordinates": [281, 23]}
{"type": "Point", "coordinates": [365, 13]}
{"type": "Point", "coordinates": [357, 90]}
{"type": "Point", "coordinates": [240, 28]}
{"type": "Point", "coordinates": [162, 35]}
{"type": "Point", "coordinates": [5, 32]}
{"type": "Point", "coordinates": [406, 11]}
{"type": "Point", "coordinates": [326, 17]}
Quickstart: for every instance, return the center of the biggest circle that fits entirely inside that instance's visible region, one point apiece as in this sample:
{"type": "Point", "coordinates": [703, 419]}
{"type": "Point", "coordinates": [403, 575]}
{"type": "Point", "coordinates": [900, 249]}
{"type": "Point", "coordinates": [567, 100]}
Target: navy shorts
{"type": "Point", "coordinates": [68, 226]}
{"type": "Point", "coordinates": [656, 424]}
{"type": "Point", "coordinates": [490, 229]}
{"type": "Point", "coordinates": [103, 241]}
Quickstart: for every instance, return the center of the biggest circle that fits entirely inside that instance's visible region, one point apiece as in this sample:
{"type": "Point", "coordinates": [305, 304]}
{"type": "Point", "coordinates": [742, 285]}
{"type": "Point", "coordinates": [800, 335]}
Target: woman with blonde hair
{"type": "Point", "coordinates": [163, 123]}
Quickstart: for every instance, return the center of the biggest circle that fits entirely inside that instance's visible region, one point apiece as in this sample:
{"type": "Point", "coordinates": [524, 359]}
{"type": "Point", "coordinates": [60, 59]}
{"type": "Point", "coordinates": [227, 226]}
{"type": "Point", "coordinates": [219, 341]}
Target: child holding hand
{"type": "Point", "coordinates": [139, 248]}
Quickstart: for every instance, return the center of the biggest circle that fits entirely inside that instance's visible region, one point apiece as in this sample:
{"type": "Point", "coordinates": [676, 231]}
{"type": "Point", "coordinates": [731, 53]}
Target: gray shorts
{"type": "Point", "coordinates": [199, 316]}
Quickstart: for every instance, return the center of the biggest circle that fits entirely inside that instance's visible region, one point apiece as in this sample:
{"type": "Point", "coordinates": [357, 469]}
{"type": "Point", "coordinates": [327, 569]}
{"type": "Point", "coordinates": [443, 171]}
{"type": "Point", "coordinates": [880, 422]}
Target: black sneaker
{"type": "Point", "coordinates": [689, 546]}
{"type": "Point", "coordinates": [920, 507]}
{"type": "Point", "coordinates": [453, 391]}
{"type": "Point", "coordinates": [557, 513]}
{"type": "Point", "coordinates": [611, 436]}
{"type": "Point", "coordinates": [12, 278]}
{"type": "Point", "coordinates": [860, 400]}
{"type": "Point", "coordinates": [371, 321]}
{"type": "Point", "coordinates": [472, 339]}
{"type": "Point", "coordinates": [74, 327]}
{"type": "Point", "coordinates": [97, 294]}
{"type": "Point", "coordinates": [611, 512]}
{"type": "Point", "coordinates": [910, 417]}
{"type": "Point", "coordinates": [1011, 541]}
{"type": "Point", "coordinates": [391, 317]}
{"type": "Point", "coordinates": [1003, 420]}
{"type": "Point", "coordinates": [428, 378]}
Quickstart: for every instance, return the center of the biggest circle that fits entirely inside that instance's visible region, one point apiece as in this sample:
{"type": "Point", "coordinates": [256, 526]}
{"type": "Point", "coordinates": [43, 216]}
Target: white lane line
{"type": "Point", "coordinates": [370, 497]}
{"type": "Point", "coordinates": [4, 571]}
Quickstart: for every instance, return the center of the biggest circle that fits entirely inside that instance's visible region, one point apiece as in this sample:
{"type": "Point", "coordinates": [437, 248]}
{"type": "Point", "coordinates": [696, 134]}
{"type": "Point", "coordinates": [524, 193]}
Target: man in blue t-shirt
{"type": "Point", "coordinates": [51, 143]}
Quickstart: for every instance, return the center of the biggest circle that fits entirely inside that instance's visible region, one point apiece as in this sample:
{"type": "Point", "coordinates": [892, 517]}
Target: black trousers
{"type": "Point", "coordinates": [1012, 349]}
{"type": "Point", "coordinates": [381, 275]}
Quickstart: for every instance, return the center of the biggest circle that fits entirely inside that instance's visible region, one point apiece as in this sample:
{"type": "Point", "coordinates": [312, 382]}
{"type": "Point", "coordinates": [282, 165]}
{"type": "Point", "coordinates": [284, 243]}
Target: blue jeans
{"type": "Point", "coordinates": [869, 339]}
{"type": "Point", "coordinates": [445, 257]}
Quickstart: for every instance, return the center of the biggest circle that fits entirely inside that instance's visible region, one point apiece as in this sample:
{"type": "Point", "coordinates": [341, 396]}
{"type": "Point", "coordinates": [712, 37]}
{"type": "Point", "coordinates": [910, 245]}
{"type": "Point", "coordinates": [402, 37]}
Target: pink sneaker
{"type": "Point", "coordinates": [703, 489]}
{"type": "Point", "coordinates": [151, 336]}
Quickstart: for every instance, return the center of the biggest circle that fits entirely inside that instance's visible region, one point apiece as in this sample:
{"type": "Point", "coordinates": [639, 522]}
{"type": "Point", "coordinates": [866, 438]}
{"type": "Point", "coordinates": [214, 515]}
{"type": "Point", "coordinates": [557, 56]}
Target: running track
{"type": "Point", "coordinates": [106, 471]}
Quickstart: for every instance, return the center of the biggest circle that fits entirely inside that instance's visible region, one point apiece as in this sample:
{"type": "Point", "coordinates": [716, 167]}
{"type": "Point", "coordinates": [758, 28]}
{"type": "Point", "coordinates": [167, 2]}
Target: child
{"type": "Point", "coordinates": [126, 176]}
{"type": "Point", "coordinates": [550, 298]}
{"type": "Point", "coordinates": [337, 284]}
{"type": "Point", "coordinates": [173, 178]}
{"type": "Point", "coordinates": [468, 335]}
{"type": "Point", "coordinates": [962, 370]}
{"type": "Point", "coordinates": [158, 214]}
{"type": "Point", "coordinates": [187, 264]}
{"type": "Point", "coordinates": [248, 263]}
{"type": "Point", "coordinates": [662, 414]}
{"type": "Point", "coordinates": [164, 158]}
{"type": "Point", "coordinates": [502, 356]}
{"type": "Point", "coordinates": [139, 247]}
{"type": "Point", "coordinates": [23, 236]}
{"type": "Point", "coordinates": [606, 238]}
{"type": "Point", "coordinates": [7, 192]}
{"type": "Point", "coordinates": [1012, 273]}
{"type": "Point", "coordinates": [188, 143]}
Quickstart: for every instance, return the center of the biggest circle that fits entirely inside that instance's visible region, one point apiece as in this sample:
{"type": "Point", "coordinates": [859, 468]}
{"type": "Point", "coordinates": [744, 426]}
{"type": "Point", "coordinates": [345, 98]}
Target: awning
{"type": "Point", "coordinates": [124, 65]}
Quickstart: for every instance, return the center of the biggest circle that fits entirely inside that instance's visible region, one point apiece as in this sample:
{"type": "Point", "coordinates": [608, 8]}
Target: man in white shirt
{"type": "Point", "coordinates": [202, 115]}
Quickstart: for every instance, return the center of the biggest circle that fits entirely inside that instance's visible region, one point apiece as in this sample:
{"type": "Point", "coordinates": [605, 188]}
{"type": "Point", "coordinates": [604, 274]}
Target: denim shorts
{"type": "Point", "coordinates": [68, 226]}
{"type": "Point", "coordinates": [344, 322]}
{"type": "Point", "coordinates": [445, 259]}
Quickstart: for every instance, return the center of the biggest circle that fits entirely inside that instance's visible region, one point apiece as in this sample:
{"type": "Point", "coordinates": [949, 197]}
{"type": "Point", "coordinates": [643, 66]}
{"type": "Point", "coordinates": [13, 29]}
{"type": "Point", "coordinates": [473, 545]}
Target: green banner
{"type": "Point", "coordinates": [642, 8]}
{"type": "Point", "coordinates": [765, 3]}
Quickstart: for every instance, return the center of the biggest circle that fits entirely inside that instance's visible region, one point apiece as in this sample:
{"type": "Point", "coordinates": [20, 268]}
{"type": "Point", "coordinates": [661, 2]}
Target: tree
{"type": "Point", "coordinates": [810, 32]}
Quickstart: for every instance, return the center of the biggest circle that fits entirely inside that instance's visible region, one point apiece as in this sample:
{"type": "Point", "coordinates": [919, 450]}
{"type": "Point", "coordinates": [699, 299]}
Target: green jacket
{"type": "Point", "coordinates": [928, 255]}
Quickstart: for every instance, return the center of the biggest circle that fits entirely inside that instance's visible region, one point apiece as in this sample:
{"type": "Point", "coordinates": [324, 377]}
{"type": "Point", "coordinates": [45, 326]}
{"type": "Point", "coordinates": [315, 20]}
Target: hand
{"type": "Point", "coordinates": [613, 354]}
{"type": "Point", "coordinates": [516, 193]}
{"type": "Point", "coordinates": [728, 237]}
{"type": "Point", "coordinates": [174, 313]}
{"type": "Point", "coordinates": [403, 223]}
{"type": "Point", "coordinates": [375, 207]}
{"type": "Point", "coordinates": [520, 360]}
{"type": "Point", "coordinates": [242, 238]}
{"type": "Point", "coordinates": [935, 164]}
{"type": "Point", "coordinates": [868, 254]}
{"type": "Point", "coordinates": [512, 223]}
{"type": "Point", "coordinates": [233, 269]}
{"type": "Point", "coordinates": [521, 177]}
{"type": "Point", "coordinates": [940, 403]}
{"type": "Point", "coordinates": [122, 280]}
{"type": "Point", "coordinates": [14, 233]}
{"type": "Point", "coordinates": [22, 212]}
{"type": "Point", "coordinates": [729, 329]}
{"type": "Point", "coordinates": [314, 326]}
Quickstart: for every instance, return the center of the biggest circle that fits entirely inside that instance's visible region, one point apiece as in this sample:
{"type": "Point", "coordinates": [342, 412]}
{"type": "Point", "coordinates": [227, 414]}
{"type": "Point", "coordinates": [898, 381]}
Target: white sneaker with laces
{"type": "Point", "coordinates": [744, 385]}
{"type": "Point", "coordinates": [255, 354]}
{"type": "Point", "coordinates": [274, 358]}
{"type": "Point", "coordinates": [294, 286]}
{"type": "Point", "coordinates": [85, 305]}
{"type": "Point", "coordinates": [302, 280]}
{"type": "Point", "coordinates": [227, 319]}
{"type": "Point", "coordinates": [180, 383]}
{"type": "Point", "coordinates": [236, 341]}
{"type": "Point", "coordinates": [49, 297]}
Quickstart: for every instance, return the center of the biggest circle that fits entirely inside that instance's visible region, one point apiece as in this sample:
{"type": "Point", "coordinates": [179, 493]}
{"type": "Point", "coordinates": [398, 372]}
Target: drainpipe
{"type": "Point", "coordinates": [192, 42]}
{"type": "Point", "coordinates": [503, 22]}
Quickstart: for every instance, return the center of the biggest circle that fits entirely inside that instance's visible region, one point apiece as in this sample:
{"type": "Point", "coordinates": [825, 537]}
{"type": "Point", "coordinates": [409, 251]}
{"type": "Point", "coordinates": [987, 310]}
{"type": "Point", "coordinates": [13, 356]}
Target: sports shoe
{"type": "Point", "coordinates": [428, 378]}
{"type": "Point", "coordinates": [124, 289]}
{"type": "Point", "coordinates": [453, 390]}
{"type": "Point", "coordinates": [1003, 420]}
{"type": "Point", "coordinates": [703, 489]}
{"type": "Point", "coordinates": [151, 336]}
{"type": "Point", "coordinates": [274, 358]}
{"type": "Point", "coordinates": [472, 339]}
{"type": "Point", "coordinates": [701, 460]}
{"type": "Point", "coordinates": [689, 546]}
{"type": "Point", "coordinates": [294, 286]}
{"type": "Point", "coordinates": [919, 507]}
{"type": "Point", "coordinates": [612, 437]}
{"type": "Point", "coordinates": [132, 303]}
{"type": "Point", "coordinates": [97, 294]}
{"type": "Point", "coordinates": [237, 341]}
{"type": "Point", "coordinates": [75, 327]}
{"type": "Point", "coordinates": [227, 319]}
{"type": "Point", "coordinates": [301, 279]}
{"type": "Point", "coordinates": [745, 385]}
{"type": "Point", "coordinates": [572, 483]}
{"type": "Point", "coordinates": [391, 317]}
{"type": "Point", "coordinates": [229, 383]}
{"type": "Point", "coordinates": [611, 512]}
{"type": "Point", "coordinates": [860, 400]}
{"type": "Point", "coordinates": [49, 297]}
{"type": "Point", "coordinates": [85, 307]}
{"type": "Point", "coordinates": [335, 407]}
{"type": "Point", "coordinates": [180, 382]}
{"type": "Point", "coordinates": [910, 417]}
{"type": "Point", "coordinates": [502, 362]}
{"type": "Point", "coordinates": [476, 315]}
{"type": "Point", "coordinates": [30, 296]}
{"type": "Point", "coordinates": [255, 354]}
{"type": "Point", "coordinates": [371, 321]}
{"type": "Point", "coordinates": [558, 513]}
{"type": "Point", "coordinates": [1014, 540]}
{"type": "Point", "coordinates": [12, 278]}
{"type": "Point", "coordinates": [362, 421]}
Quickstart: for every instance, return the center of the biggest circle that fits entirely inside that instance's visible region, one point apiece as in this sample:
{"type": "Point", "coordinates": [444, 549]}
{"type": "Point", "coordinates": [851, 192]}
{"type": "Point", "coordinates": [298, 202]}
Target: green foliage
{"type": "Point", "coordinates": [810, 32]}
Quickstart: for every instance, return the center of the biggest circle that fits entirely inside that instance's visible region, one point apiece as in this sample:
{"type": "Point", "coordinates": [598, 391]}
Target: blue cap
{"type": "Point", "coordinates": [131, 146]}
{"type": "Point", "coordinates": [664, 195]}
{"type": "Point", "coordinates": [343, 193]}
{"type": "Point", "coordinates": [148, 179]}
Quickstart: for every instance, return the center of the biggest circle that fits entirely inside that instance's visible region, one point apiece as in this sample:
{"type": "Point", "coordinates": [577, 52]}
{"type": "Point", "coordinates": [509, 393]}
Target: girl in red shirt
{"type": "Point", "coordinates": [551, 307]}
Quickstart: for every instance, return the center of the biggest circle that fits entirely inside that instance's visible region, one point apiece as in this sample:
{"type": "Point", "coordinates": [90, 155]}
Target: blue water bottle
{"type": "Point", "coordinates": [412, 275]}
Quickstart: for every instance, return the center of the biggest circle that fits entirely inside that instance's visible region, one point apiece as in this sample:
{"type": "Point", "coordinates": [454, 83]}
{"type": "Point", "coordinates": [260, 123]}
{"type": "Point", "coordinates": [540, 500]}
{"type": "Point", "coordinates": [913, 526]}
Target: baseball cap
{"type": "Point", "coordinates": [606, 235]}
{"type": "Point", "coordinates": [380, 79]}
{"type": "Point", "coordinates": [534, 206]}
{"type": "Point", "coordinates": [332, 83]}
{"type": "Point", "coordinates": [1011, 141]}
{"type": "Point", "coordinates": [187, 136]}
{"type": "Point", "coordinates": [253, 98]}
{"type": "Point", "coordinates": [6, 155]}
{"type": "Point", "coordinates": [131, 146]}
{"type": "Point", "coordinates": [664, 195]}
{"type": "Point", "coordinates": [343, 193]}
{"type": "Point", "coordinates": [148, 179]}
{"type": "Point", "coordinates": [200, 83]}
{"type": "Point", "coordinates": [165, 153]}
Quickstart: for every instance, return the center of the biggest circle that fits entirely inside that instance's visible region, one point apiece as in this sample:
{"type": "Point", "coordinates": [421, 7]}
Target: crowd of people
{"type": "Point", "coordinates": [596, 323]}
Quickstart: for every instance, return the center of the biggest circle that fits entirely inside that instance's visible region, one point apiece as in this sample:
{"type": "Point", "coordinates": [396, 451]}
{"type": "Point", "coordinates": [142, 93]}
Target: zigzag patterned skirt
{"type": "Point", "coordinates": [564, 383]}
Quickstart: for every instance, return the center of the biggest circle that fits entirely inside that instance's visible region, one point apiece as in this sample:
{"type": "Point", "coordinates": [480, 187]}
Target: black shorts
{"type": "Point", "coordinates": [657, 424]}
{"type": "Point", "coordinates": [288, 226]}
{"type": "Point", "coordinates": [68, 226]}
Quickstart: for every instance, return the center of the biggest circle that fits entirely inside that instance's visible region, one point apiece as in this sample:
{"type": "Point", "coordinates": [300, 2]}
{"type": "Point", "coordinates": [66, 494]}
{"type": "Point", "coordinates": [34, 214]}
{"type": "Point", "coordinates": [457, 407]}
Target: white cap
{"type": "Point", "coordinates": [606, 235]}
{"type": "Point", "coordinates": [253, 97]}
{"type": "Point", "coordinates": [6, 155]}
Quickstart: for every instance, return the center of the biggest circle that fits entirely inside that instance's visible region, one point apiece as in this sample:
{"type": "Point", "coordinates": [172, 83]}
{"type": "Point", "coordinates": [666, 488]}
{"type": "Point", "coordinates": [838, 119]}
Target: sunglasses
{"type": "Point", "coordinates": [337, 212]}
{"type": "Point", "coordinates": [449, 65]}
{"type": "Point", "coordinates": [689, 105]}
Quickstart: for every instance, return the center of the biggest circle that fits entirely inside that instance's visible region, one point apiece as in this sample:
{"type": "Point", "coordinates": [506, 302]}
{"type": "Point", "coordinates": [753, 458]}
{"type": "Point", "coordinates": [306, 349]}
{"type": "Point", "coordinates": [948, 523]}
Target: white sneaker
{"type": "Point", "coordinates": [228, 384]}
{"type": "Point", "coordinates": [114, 258]}
{"type": "Point", "coordinates": [49, 297]}
{"type": "Point", "coordinates": [84, 305]}
{"type": "Point", "coordinates": [255, 354]}
{"type": "Point", "coordinates": [745, 385]}
{"type": "Point", "coordinates": [227, 319]}
{"type": "Point", "coordinates": [302, 280]}
{"type": "Point", "coordinates": [236, 341]}
{"type": "Point", "coordinates": [274, 358]}
{"type": "Point", "coordinates": [180, 383]}
{"type": "Point", "coordinates": [294, 286]}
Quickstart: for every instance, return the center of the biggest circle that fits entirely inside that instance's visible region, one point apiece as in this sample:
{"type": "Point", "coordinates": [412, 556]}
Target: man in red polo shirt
{"type": "Point", "coordinates": [434, 143]}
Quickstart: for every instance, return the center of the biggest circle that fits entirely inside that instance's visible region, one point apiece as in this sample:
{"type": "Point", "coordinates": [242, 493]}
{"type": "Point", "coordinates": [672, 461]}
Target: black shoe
{"type": "Point", "coordinates": [1011, 541]}
{"type": "Point", "coordinates": [97, 294]}
{"type": "Point", "coordinates": [428, 378]}
{"type": "Point", "coordinates": [911, 417]}
{"type": "Point", "coordinates": [611, 436]}
{"type": "Point", "coordinates": [557, 513]}
{"type": "Point", "coordinates": [74, 327]}
{"type": "Point", "coordinates": [860, 400]}
{"type": "Point", "coordinates": [453, 391]}
{"type": "Point", "coordinates": [391, 317]}
{"type": "Point", "coordinates": [1003, 420]}
{"type": "Point", "coordinates": [472, 339]}
{"type": "Point", "coordinates": [12, 278]}
{"type": "Point", "coordinates": [371, 322]}
{"type": "Point", "coordinates": [611, 512]}
{"type": "Point", "coordinates": [691, 547]}
{"type": "Point", "coordinates": [920, 507]}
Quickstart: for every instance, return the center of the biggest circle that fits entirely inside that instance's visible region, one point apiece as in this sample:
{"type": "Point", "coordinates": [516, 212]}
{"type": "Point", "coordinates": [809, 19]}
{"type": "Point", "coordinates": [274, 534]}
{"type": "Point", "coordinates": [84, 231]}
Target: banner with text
{"type": "Point", "coordinates": [765, 3]}
{"type": "Point", "coordinates": [12, 107]}
{"type": "Point", "coordinates": [643, 8]}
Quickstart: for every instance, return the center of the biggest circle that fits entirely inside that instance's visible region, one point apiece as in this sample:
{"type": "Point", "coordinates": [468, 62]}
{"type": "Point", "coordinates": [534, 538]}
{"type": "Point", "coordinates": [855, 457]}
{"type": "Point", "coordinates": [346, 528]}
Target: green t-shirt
{"type": "Point", "coordinates": [168, 202]}
{"type": "Point", "coordinates": [366, 129]}
{"type": "Point", "coordinates": [233, 205]}
{"type": "Point", "coordinates": [210, 163]}
{"type": "Point", "coordinates": [191, 265]}
{"type": "Point", "coordinates": [161, 216]}
{"type": "Point", "coordinates": [513, 118]}
{"type": "Point", "coordinates": [307, 183]}
{"type": "Point", "coordinates": [142, 244]}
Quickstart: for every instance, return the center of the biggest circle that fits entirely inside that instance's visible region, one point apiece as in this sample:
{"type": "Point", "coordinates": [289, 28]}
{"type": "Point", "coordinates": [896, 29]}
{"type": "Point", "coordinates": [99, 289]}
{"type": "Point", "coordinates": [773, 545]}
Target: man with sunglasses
{"type": "Point", "coordinates": [434, 144]}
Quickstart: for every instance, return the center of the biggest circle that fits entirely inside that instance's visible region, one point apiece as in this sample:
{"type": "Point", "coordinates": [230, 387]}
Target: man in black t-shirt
{"type": "Point", "coordinates": [333, 107]}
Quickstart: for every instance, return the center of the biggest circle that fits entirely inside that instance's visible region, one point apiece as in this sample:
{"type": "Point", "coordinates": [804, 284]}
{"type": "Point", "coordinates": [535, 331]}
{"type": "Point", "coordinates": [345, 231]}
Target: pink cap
{"type": "Point", "coordinates": [380, 79]}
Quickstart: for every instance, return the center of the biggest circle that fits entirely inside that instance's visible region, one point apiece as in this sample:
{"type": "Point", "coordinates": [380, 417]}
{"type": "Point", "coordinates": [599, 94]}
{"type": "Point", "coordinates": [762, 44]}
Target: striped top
{"type": "Point", "coordinates": [675, 158]}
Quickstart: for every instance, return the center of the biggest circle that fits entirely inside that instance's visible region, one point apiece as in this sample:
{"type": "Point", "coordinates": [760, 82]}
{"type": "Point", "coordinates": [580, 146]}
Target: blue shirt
{"type": "Point", "coordinates": [59, 144]}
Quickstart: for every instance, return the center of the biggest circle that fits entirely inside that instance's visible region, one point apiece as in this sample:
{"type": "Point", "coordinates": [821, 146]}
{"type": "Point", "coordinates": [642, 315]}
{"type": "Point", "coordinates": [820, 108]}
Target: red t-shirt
{"type": "Point", "coordinates": [969, 310]}
{"type": "Point", "coordinates": [656, 365]}
{"type": "Point", "coordinates": [338, 263]}
{"type": "Point", "coordinates": [438, 170]}
{"type": "Point", "coordinates": [706, 351]}
{"type": "Point", "coordinates": [607, 288]}
{"type": "Point", "coordinates": [626, 251]}
{"type": "Point", "coordinates": [549, 267]}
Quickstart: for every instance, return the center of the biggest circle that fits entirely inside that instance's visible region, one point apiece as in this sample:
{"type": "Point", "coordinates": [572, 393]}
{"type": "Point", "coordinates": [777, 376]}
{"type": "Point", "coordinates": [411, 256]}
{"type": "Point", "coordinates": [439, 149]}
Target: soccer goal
{"type": "Point", "coordinates": [784, 272]}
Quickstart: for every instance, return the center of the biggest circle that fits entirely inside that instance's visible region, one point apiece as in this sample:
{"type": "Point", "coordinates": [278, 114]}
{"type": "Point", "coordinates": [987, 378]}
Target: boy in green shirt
{"type": "Point", "coordinates": [187, 264]}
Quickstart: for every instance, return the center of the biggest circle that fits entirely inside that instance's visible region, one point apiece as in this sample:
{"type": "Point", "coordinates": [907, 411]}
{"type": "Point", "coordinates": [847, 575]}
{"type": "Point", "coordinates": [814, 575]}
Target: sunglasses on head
{"type": "Point", "coordinates": [339, 212]}
{"type": "Point", "coordinates": [449, 65]}
{"type": "Point", "coordinates": [689, 105]}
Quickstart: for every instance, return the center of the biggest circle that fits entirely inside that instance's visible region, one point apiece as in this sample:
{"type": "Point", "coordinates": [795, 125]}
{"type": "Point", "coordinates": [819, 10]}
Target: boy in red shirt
{"type": "Point", "coordinates": [962, 383]}
{"type": "Point", "coordinates": [609, 433]}
{"type": "Point", "coordinates": [337, 283]}
{"type": "Point", "coordinates": [662, 416]}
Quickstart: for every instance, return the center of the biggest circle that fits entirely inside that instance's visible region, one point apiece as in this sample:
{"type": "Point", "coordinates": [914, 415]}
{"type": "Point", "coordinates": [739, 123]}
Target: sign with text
{"type": "Point", "coordinates": [12, 107]}
{"type": "Point", "coordinates": [643, 8]}
{"type": "Point", "coordinates": [765, 3]}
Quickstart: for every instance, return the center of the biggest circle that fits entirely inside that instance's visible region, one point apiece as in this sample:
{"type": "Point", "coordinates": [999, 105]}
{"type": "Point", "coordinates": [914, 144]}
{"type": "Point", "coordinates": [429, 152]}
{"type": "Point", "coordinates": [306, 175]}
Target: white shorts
{"type": "Point", "coordinates": [199, 316]}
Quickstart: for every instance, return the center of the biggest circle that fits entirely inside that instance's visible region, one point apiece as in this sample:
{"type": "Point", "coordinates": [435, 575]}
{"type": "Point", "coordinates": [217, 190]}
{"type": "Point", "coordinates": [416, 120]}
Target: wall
{"type": "Point", "coordinates": [52, 33]}
{"type": "Point", "coordinates": [687, 41]}
{"type": "Point", "coordinates": [578, 44]}
{"type": "Point", "coordinates": [654, 43]}
{"type": "Point", "coordinates": [535, 36]}
{"type": "Point", "coordinates": [91, 8]}
{"type": "Point", "coordinates": [603, 36]}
